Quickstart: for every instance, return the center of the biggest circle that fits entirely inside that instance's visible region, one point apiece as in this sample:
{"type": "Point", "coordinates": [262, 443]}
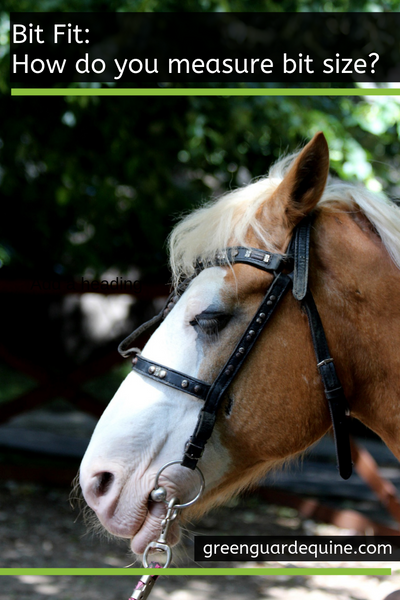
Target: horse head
{"type": "Point", "coordinates": [275, 407]}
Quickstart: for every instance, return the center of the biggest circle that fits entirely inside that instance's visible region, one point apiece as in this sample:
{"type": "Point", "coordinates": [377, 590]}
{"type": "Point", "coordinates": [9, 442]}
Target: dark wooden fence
{"type": "Point", "coordinates": [32, 345]}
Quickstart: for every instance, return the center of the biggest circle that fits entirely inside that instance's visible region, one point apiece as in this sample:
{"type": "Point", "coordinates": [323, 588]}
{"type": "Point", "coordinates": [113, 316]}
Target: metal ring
{"type": "Point", "coordinates": [161, 548]}
{"type": "Point", "coordinates": [202, 484]}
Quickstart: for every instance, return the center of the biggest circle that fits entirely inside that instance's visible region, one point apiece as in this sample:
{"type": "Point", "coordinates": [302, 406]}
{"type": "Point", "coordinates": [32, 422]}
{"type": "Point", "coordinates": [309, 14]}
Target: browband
{"type": "Point", "coordinates": [255, 257]}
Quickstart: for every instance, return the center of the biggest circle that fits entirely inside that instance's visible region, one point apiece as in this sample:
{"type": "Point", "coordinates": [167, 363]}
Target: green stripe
{"type": "Point", "coordinates": [205, 92]}
{"type": "Point", "coordinates": [199, 571]}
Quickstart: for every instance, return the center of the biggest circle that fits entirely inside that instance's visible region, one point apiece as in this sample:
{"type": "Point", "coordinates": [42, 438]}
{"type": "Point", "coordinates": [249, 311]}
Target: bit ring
{"type": "Point", "coordinates": [190, 502]}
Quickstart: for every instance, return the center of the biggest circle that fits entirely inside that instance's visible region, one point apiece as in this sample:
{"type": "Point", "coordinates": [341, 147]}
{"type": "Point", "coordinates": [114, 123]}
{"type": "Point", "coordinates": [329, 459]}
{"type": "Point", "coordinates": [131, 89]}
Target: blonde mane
{"type": "Point", "coordinates": [229, 219]}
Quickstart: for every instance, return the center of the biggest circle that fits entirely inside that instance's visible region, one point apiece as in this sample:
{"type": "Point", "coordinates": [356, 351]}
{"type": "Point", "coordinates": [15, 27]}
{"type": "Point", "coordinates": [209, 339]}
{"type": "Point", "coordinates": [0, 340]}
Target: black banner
{"type": "Point", "coordinates": [155, 48]}
{"type": "Point", "coordinates": [297, 548]}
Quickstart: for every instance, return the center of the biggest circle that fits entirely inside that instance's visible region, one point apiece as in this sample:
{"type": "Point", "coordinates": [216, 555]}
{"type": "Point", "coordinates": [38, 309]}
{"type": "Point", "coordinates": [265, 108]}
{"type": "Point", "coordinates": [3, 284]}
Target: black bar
{"type": "Point", "coordinates": [256, 47]}
{"type": "Point", "coordinates": [297, 548]}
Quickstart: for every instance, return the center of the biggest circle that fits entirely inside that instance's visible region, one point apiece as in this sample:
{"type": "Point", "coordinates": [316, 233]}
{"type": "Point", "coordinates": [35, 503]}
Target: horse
{"type": "Point", "coordinates": [274, 408]}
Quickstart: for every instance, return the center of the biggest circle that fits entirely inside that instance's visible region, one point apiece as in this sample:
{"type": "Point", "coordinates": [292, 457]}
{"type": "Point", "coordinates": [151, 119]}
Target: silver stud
{"type": "Point", "coordinates": [261, 316]}
{"type": "Point", "coordinates": [197, 389]}
{"type": "Point", "coordinates": [252, 333]}
{"type": "Point", "coordinates": [269, 303]}
{"type": "Point", "coordinates": [162, 374]}
{"type": "Point", "coordinates": [248, 254]}
{"type": "Point", "coordinates": [152, 369]}
{"type": "Point", "coordinates": [229, 370]}
{"type": "Point", "coordinates": [241, 350]}
{"type": "Point", "coordinates": [185, 383]}
{"type": "Point", "coordinates": [273, 298]}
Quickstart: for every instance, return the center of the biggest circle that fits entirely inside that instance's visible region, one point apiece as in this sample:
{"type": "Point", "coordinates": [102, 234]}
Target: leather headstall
{"type": "Point", "coordinates": [289, 270]}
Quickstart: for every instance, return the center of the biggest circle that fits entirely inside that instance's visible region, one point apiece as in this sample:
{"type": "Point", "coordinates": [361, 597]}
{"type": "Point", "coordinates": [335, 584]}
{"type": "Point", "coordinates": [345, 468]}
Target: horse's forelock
{"type": "Point", "coordinates": [229, 219]}
{"type": "Point", "coordinates": [223, 222]}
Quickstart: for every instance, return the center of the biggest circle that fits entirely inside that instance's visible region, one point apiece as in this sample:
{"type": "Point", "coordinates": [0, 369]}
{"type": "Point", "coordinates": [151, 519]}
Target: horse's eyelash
{"type": "Point", "coordinates": [206, 325]}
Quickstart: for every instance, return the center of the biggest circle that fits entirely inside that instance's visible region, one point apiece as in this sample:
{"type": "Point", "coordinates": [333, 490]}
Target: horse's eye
{"type": "Point", "coordinates": [210, 323]}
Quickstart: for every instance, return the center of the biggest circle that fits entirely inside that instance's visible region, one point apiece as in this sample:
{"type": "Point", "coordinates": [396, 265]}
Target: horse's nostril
{"type": "Point", "coordinates": [104, 482]}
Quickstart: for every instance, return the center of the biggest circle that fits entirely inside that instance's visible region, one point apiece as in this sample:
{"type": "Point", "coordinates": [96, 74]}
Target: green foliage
{"type": "Point", "coordinates": [13, 383]}
{"type": "Point", "coordinates": [201, 5]}
{"type": "Point", "coordinates": [92, 183]}
{"type": "Point", "coordinates": [95, 183]}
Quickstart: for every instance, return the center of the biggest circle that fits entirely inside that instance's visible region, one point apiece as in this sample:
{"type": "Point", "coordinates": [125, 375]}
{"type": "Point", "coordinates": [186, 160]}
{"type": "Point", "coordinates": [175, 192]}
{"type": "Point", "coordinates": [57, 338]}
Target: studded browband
{"type": "Point", "coordinates": [289, 270]}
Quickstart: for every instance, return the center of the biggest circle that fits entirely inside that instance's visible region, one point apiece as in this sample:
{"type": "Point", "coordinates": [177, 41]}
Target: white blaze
{"type": "Point", "coordinates": [147, 423]}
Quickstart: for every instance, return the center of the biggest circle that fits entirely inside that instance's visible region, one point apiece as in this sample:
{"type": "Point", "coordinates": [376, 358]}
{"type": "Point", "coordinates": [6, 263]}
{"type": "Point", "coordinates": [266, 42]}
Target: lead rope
{"type": "Point", "coordinates": [145, 584]}
{"type": "Point", "coordinates": [159, 494]}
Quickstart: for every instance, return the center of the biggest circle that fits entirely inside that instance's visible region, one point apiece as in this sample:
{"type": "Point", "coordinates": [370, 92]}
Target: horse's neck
{"type": "Point", "coordinates": [357, 291]}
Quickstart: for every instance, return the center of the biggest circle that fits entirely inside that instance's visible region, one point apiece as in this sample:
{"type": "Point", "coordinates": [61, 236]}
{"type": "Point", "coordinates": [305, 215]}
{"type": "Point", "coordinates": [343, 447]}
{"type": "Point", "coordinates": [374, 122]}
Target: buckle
{"type": "Point", "coordinates": [193, 450]}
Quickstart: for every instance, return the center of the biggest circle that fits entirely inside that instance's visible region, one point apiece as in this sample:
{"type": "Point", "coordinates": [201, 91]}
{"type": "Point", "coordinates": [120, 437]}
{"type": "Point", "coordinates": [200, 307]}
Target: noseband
{"type": "Point", "coordinates": [289, 270]}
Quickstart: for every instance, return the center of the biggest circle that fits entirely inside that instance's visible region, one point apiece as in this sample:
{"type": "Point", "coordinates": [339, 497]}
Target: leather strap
{"type": "Point", "coordinates": [125, 348]}
{"type": "Point", "coordinates": [338, 407]}
{"type": "Point", "coordinates": [255, 257]}
{"type": "Point", "coordinates": [334, 393]}
{"type": "Point", "coordinates": [176, 379]}
{"type": "Point", "coordinates": [301, 253]}
{"type": "Point", "coordinates": [195, 445]}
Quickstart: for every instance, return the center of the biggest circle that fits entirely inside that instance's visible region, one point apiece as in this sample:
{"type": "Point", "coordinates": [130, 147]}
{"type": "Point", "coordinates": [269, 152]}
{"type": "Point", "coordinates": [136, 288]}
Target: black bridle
{"type": "Point", "coordinates": [289, 270]}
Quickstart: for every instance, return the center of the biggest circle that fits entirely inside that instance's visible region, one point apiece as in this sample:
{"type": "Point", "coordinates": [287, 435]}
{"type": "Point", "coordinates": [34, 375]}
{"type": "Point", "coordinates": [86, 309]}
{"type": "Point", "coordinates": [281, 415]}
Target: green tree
{"type": "Point", "coordinates": [93, 183]}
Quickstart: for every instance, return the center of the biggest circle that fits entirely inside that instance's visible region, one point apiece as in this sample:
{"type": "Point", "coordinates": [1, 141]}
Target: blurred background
{"type": "Point", "coordinates": [90, 189]}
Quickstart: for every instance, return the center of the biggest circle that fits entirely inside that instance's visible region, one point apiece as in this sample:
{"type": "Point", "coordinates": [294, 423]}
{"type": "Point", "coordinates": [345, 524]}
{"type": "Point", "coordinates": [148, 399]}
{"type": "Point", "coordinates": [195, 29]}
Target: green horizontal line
{"type": "Point", "coordinates": [205, 92]}
{"type": "Point", "coordinates": [199, 571]}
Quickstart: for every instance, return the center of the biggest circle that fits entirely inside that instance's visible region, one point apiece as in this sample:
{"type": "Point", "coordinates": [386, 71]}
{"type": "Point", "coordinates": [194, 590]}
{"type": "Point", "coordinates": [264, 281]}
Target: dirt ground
{"type": "Point", "coordinates": [38, 528]}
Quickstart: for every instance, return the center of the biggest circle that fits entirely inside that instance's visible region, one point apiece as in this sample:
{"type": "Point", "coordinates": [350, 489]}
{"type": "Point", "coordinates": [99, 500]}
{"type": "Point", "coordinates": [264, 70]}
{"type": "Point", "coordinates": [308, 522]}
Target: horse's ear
{"type": "Point", "coordinates": [304, 183]}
